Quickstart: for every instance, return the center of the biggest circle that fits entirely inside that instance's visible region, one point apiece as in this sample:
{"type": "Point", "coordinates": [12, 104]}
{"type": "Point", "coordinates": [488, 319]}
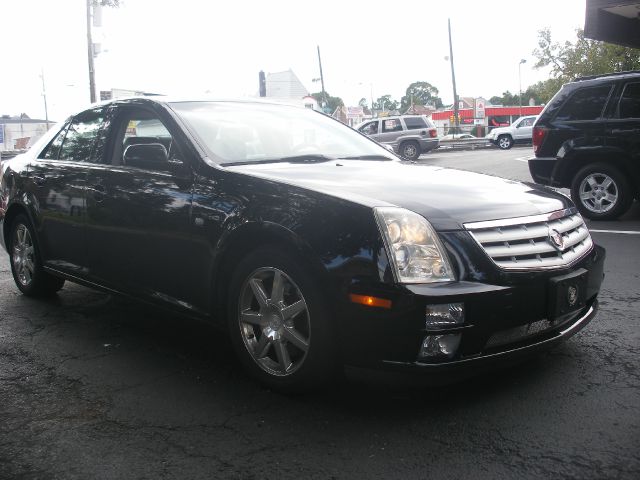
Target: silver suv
{"type": "Point", "coordinates": [408, 135]}
{"type": "Point", "coordinates": [520, 131]}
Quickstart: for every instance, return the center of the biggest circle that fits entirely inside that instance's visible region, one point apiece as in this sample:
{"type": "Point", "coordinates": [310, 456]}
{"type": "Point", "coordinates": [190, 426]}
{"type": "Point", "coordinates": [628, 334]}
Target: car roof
{"type": "Point", "coordinates": [607, 76]}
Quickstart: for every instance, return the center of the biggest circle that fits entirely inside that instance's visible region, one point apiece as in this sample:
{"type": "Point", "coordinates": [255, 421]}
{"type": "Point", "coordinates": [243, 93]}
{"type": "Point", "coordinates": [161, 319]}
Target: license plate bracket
{"type": "Point", "coordinates": [567, 293]}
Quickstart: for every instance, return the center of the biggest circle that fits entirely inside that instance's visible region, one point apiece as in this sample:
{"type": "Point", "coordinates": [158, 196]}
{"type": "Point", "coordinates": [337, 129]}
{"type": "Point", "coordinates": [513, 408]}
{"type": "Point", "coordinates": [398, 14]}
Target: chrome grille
{"type": "Point", "coordinates": [527, 242]}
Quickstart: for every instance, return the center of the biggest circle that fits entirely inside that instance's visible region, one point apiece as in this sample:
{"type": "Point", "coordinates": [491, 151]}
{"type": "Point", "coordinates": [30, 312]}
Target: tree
{"type": "Point", "coordinates": [421, 93]}
{"type": "Point", "coordinates": [538, 92]}
{"type": "Point", "coordinates": [385, 103]}
{"type": "Point", "coordinates": [585, 57]}
{"type": "Point", "coordinates": [363, 103]}
{"type": "Point", "coordinates": [332, 102]}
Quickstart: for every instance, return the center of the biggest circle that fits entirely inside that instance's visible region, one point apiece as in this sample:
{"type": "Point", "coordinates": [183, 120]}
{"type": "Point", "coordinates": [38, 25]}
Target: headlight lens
{"type": "Point", "coordinates": [416, 252]}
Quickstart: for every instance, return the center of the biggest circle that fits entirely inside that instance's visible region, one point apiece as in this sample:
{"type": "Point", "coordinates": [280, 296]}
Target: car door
{"type": "Point", "coordinates": [56, 183]}
{"type": "Point", "coordinates": [390, 131]}
{"type": "Point", "coordinates": [623, 128]}
{"type": "Point", "coordinates": [524, 129]}
{"type": "Point", "coordinates": [138, 210]}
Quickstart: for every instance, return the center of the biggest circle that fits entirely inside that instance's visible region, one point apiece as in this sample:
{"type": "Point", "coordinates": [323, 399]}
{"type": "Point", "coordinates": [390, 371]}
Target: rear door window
{"type": "Point", "coordinates": [415, 123]}
{"type": "Point", "coordinates": [392, 125]}
{"type": "Point", "coordinates": [630, 101]}
{"type": "Point", "coordinates": [585, 104]}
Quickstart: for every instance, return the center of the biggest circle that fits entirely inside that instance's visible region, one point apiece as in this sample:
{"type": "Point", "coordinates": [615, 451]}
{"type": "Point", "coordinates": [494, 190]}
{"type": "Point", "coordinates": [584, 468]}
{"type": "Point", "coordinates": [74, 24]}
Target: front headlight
{"type": "Point", "coordinates": [416, 253]}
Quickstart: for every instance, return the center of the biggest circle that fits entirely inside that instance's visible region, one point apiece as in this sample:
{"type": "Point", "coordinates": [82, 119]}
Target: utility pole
{"type": "Point", "coordinates": [324, 93]}
{"type": "Point", "coordinates": [453, 80]}
{"type": "Point", "coordinates": [92, 78]}
{"type": "Point", "coordinates": [44, 96]}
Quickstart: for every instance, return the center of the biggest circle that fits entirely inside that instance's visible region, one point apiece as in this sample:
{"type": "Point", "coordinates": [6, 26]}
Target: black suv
{"type": "Point", "coordinates": [588, 139]}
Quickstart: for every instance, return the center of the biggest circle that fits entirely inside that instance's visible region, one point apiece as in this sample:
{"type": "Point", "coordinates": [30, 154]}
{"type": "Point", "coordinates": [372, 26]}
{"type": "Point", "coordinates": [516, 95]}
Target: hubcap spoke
{"type": "Point", "coordinates": [262, 347]}
{"type": "Point", "coordinates": [277, 291]}
{"type": "Point", "coordinates": [607, 183]}
{"type": "Point", "coordinates": [283, 356]}
{"type": "Point", "coordinates": [592, 182]}
{"type": "Point", "coordinates": [258, 292]}
{"type": "Point", "coordinates": [252, 318]}
{"type": "Point", "coordinates": [294, 337]}
{"type": "Point", "coordinates": [290, 311]}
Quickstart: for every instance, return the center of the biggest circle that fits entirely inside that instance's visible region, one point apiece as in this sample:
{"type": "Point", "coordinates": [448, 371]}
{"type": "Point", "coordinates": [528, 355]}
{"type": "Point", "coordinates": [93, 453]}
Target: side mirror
{"type": "Point", "coordinates": [149, 156]}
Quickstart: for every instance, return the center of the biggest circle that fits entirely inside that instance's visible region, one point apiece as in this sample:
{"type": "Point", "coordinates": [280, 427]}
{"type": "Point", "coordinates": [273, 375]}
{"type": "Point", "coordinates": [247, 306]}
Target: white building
{"type": "Point", "coordinates": [20, 132]}
{"type": "Point", "coordinates": [286, 87]}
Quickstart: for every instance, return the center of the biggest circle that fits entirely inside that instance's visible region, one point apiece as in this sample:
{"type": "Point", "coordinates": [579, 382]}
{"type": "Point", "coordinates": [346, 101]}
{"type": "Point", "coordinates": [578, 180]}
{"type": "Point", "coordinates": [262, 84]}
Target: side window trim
{"type": "Point", "coordinates": [600, 116]}
{"type": "Point", "coordinates": [77, 120]}
{"type": "Point", "coordinates": [63, 131]}
{"type": "Point", "coordinates": [624, 88]}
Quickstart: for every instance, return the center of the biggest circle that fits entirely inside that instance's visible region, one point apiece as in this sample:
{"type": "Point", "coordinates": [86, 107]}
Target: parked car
{"type": "Point", "coordinates": [520, 131]}
{"type": "Point", "coordinates": [457, 137]}
{"type": "Point", "coordinates": [312, 245]}
{"type": "Point", "coordinates": [588, 139]}
{"type": "Point", "coordinates": [409, 135]}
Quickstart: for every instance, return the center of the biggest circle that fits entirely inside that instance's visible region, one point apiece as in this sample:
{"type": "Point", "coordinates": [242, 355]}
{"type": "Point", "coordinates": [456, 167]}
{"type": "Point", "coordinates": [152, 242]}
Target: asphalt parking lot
{"type": "Point", "coordinates": [96, 386]}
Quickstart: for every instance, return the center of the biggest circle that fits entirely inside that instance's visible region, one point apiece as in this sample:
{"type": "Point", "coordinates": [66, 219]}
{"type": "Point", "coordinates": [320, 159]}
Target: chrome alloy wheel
{"type": "Point", "coordinates": [504, 142]}
{"type": "Point", "coordinates": [274, 321]}
{"type": "Point", "coordinates": [598, 192]}
{"type": "Point", "coordinates": [410, 151]}
{"type": "Point", "coordinates": [23, 255]}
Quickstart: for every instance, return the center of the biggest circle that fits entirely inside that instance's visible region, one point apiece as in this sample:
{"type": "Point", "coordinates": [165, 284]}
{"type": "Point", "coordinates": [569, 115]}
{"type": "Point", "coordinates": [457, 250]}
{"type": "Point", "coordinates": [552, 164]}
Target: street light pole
{"type": "Point", "coordinates": [92, 78]}
{"type": "Point", "coordinates": [453, 80]}
{"type": "Point", "coordinates": [520, 84]}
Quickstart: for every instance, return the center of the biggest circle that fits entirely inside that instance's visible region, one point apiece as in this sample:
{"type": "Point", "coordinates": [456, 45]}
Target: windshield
{"type": "Point", "coordinates": [235, 132]}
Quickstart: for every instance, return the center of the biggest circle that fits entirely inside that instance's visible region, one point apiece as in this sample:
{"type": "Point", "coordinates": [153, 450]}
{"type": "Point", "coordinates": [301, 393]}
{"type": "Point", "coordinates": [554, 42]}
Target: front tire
{"type": "Point", "coordinates": [26, 265]}
{"type": "Point", "coordinates": [505, 142]}
{"type": "Point", "coordinates": [279, 323]}
{"type": "Point", "coordinates": [410, 150]}
{"type": "Point", "coordinates": [601, 192]}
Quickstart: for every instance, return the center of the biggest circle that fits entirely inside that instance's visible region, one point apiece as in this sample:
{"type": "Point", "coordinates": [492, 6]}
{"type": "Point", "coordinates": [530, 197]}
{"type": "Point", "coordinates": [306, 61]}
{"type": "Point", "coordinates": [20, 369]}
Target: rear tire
{"type": "Point", "coordinates": [601, 192]}
{"type": "Point", "coordinates": [505, 142]}
{"type": "Point", "coordinates": [26, 264]}
{"type": "Point", "coordinates": [410, 150]}
{"type": "Point", "coordinates": [279, 323]}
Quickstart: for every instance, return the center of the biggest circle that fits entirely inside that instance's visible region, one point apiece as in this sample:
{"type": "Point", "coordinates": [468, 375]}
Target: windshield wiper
{"type": "Point", "coordinates": [366, 157]}
{"type": "Point", "coordinates": [308, 158]}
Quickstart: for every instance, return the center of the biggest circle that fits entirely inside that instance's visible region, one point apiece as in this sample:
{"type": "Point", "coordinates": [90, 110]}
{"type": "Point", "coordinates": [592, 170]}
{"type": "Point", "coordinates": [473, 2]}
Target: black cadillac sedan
{"type": "Point", "coordinates": [313, 246]}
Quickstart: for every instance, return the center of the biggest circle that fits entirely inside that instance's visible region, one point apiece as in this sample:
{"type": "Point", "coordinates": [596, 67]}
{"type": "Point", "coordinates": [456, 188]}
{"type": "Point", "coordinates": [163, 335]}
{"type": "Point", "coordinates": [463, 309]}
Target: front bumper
{"type": "Point", "coordinates": [501, 321]}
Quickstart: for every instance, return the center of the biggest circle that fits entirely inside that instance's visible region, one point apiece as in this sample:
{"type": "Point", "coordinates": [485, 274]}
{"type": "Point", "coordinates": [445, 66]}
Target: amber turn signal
{"type": "Point", "coordinates": [370, 301]}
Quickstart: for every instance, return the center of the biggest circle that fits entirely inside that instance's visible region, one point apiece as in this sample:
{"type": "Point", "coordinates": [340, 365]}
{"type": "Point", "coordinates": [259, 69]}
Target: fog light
{"type": "Point", "coordinates": [439, 346]}
{"type": "Point", "coordinates": [444, 315]}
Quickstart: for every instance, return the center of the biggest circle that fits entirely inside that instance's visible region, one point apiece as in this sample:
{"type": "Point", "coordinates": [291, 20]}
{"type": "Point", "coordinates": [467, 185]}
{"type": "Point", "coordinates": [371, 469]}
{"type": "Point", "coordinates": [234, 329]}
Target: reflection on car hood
{"type": "Point", "coordinates": [446, 197]}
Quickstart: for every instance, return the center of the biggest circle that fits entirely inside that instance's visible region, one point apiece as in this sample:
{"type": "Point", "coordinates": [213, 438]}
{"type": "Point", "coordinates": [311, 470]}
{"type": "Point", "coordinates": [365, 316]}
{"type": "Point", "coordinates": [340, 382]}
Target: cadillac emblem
{"type": "Point", "coordinates": [572, 295]}
{"type": "Point", "coordinates": [556, 239]}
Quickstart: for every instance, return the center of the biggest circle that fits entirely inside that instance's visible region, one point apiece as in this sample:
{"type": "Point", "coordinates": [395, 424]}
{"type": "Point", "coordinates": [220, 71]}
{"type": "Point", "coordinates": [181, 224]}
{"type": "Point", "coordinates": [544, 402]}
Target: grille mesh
{"type": "Point", "coordinates": [526, 242]}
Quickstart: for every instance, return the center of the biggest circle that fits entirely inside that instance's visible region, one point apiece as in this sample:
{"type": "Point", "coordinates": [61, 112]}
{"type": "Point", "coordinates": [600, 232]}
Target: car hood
{"type": "Point", "coordinates": [448, 198]}
{"type": "Point", "coordinates": [499, 130]}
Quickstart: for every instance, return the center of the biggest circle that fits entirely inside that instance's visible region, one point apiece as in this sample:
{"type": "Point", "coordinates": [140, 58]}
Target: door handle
{"type": "Point", "coordinates": [617, 131]}
{"type": "Point", "coordinates": [39, 180]}
{"type": "Point", "coordinates": [98, 192]}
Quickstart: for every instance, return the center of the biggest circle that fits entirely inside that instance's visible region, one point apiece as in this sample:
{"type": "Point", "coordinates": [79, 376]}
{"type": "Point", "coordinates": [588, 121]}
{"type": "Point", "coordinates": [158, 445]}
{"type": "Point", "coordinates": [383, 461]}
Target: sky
{"type": "Point", "coordinates": [192, 48]}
